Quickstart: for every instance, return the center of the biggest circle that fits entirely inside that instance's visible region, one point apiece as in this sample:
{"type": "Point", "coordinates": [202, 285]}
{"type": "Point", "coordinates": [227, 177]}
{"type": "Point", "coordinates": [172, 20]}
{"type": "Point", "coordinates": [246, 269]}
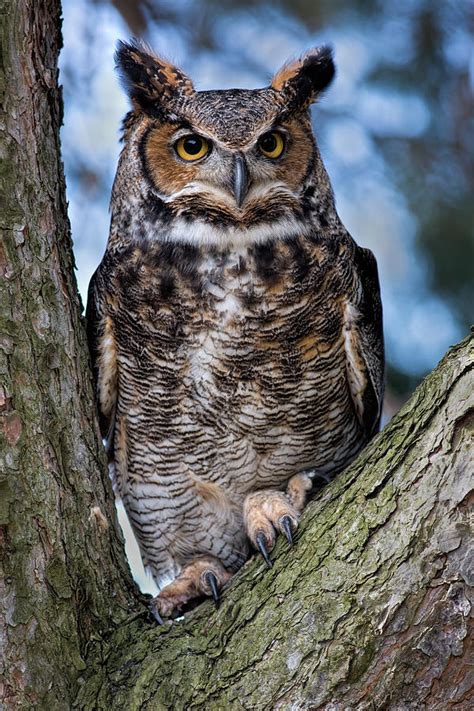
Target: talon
{"type": "Point", "coordinates": [262, 547]}
{"type": "Point", "coordinates": [286, 526]}
{"type": "Point", "coordinates": [211, 581]}
{"type": "Point", "coordinates": [321, 479]}
{"type": "Point", "coordinates": [156, 614]}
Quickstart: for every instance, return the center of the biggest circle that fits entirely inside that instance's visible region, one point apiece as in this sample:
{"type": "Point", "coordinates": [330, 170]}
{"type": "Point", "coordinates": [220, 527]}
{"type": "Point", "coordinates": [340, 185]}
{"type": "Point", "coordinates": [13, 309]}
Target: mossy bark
{"type": "Point", "coordinates": [369, 610]}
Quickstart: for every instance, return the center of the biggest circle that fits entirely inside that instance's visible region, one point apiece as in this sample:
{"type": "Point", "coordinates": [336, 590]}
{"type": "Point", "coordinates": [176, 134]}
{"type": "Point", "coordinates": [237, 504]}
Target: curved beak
{"type": "Point", "coordinates": [241, 179]}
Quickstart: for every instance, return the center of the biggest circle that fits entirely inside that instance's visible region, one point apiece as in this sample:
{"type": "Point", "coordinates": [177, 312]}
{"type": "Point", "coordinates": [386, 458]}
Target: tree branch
{"type": "Point", "coordinates": [368, 610]}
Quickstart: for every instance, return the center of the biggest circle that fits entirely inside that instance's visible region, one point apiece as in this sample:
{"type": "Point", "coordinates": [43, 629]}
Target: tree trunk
{"type": "Point", "coordinates": [369, 609]}
{"type": "Point", "coordinates": [63, 573]}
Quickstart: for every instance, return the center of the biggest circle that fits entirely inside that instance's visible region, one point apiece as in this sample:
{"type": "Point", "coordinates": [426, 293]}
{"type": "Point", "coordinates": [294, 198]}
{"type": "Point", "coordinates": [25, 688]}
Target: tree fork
{"type": "Point", "coordinates": [369, 610]}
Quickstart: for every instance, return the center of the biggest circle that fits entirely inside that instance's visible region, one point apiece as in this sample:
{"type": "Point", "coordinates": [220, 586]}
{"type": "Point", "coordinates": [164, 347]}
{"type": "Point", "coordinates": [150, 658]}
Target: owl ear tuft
{"type": "Point", "coordinates": [301, 81]}
{"type": "Point", "coordinates": [151, 81]}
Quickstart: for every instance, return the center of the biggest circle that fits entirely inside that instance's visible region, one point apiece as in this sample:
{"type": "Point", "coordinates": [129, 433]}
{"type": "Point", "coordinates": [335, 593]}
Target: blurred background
{"type": "Point", "coordinates": [395, 131]}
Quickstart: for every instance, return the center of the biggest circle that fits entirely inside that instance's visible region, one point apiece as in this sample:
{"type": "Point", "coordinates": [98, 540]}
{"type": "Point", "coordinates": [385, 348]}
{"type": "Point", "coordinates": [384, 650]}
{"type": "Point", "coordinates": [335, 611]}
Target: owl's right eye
{"type": "Point", "coordinates": [192, 148]}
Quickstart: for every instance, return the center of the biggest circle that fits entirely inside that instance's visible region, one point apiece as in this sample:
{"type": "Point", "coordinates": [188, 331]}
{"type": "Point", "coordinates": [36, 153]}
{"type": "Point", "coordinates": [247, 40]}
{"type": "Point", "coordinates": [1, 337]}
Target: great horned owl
{"type": "Point", "coordinates": [235, 326]}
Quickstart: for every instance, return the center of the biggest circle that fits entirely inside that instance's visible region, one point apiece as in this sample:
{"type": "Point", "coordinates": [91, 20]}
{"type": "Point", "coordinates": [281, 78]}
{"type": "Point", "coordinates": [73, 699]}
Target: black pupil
{"type": "Point", "coordinates": [268, 142]}
{"type": "Point", "coordinates": [192, 145]}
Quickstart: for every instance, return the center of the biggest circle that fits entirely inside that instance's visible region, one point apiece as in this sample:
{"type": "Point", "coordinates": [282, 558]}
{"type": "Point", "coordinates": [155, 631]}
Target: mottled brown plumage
{"type": "Point", "coordinates": [235, 326]}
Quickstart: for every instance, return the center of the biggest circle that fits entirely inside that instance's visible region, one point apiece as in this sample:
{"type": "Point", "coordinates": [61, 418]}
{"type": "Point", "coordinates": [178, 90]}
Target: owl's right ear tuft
{"type": "Point", "coordinates": [152, 82]}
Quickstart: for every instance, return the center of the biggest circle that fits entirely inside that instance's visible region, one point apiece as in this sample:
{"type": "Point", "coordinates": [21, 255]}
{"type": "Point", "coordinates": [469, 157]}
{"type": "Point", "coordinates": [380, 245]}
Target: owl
{"type": "Point", "coordinates": [235, 327]}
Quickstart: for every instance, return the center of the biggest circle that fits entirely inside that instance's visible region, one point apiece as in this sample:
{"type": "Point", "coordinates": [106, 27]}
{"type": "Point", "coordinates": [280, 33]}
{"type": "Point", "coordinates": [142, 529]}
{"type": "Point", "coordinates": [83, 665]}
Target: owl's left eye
{"type": "Point", "coordinates": [191, 148]}
{"type": "Point", "coordinates": [271, 144]}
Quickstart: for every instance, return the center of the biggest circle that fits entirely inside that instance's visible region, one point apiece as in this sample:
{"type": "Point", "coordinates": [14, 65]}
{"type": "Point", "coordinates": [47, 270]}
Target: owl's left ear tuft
{"type": "Point", "coordinates": [151, 81]}
{"type": "Point", "coordinates": [301, 81]}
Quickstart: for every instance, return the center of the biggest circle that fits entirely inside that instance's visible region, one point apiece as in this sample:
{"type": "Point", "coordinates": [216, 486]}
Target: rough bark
{"type": "Point", "coordinates": [369, 610]}
{"type": "Point", "coordinates": [57, 524]}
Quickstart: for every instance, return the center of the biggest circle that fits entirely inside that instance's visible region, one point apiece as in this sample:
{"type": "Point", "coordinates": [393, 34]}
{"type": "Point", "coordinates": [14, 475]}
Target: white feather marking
{"type": "Point", "coordinates": [229, 306]}
{"type": "Point", "coordinates": [356, 373]}
{"type": "Point", "coordinates": [200, 362]}
{"type": "Point", "coordinates": [107, 381]}
{"type": "Point", "coordinates": [201, 232]}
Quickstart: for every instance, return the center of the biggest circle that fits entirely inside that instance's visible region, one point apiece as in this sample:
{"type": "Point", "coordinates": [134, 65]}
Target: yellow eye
{"type": "Point", "coordinates": [192, 147]}
{"type": "Point", "coordinates": [271, 144]}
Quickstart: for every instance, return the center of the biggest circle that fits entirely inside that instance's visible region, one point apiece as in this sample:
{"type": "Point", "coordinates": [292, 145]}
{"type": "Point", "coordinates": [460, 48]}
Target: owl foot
{"type": "Point", "coordinates": [267, 513]}
{"type": "Point", "coordinates": [203, 576]}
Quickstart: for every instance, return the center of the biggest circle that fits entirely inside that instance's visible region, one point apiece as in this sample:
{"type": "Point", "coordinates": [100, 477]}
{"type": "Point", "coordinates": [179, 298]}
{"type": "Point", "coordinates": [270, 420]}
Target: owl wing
{"type": "Point", "coordinates": [103, 353]}
{"type": "Point", "coordinates": [365, 363]}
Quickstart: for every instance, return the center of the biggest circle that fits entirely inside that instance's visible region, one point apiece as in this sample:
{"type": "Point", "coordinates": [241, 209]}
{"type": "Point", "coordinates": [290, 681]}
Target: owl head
{"type": "Point", "coordinates": [217, 163]}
